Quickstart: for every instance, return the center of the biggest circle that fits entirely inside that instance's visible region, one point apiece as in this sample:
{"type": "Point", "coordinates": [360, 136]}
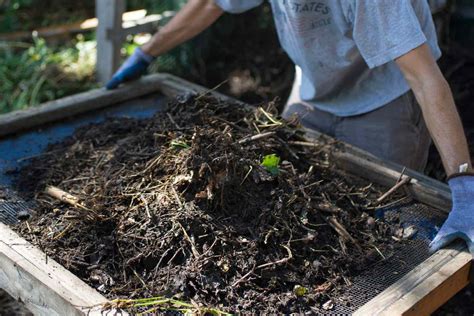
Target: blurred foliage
{"type": "Point", "coordinates": [9, 11]}
{"type": "Point", "coordinates": [245, 43]}
{"type": "Point", "coordinates": [19, 15]}
{"type": "Point", "coordinates": [31, 74]}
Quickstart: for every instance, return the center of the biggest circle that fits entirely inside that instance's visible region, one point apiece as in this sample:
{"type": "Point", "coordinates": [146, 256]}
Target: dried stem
{"type": "Point", "coordinates": [255, 137]}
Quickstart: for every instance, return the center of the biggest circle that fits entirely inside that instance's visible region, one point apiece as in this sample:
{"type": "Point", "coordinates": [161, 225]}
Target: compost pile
{"type": "Point", "coordinates": [189, 204]}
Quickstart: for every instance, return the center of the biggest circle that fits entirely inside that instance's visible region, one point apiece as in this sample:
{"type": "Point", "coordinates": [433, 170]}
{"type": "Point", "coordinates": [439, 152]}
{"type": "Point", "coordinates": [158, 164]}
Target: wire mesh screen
{"type": "Point", "coordinates": [386, 272]}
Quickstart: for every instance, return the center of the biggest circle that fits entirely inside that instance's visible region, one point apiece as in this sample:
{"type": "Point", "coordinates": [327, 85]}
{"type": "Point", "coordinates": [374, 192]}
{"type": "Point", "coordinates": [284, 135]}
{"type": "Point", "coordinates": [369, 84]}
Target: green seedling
{"type": "Point", "coordinates": [271, 163]}
{"type": "Point", "coordinates": [300, 291]}
{"type": "Point", "coordinates": [179, 144]}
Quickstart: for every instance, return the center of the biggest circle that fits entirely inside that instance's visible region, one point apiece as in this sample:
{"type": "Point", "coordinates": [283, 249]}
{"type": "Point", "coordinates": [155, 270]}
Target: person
{"type": "Point", "coordinates": [366, 73]}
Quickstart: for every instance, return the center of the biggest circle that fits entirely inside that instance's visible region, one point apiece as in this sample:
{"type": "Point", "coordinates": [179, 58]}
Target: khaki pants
{"type": "Point", "coordinates": [395, 132]}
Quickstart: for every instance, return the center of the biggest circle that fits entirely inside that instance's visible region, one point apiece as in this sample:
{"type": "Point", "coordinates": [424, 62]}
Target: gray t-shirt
{"type": "Point", "coordinates": [346, 48]}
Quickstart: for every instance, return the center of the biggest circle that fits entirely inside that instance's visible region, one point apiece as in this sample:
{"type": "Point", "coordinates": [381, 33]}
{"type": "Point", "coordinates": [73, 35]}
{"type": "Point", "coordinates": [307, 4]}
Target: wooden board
{"type": "Point", "coordinates": [76, 104]}
{"type": "Point", "coordinates": [41, 283]}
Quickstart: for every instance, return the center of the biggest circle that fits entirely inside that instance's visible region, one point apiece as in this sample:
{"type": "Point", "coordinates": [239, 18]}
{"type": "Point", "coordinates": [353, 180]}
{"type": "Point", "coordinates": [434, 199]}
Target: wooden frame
{"type": "Point", "coordinates": [43, 285]}
{"type": "Point", "coordinates": [426, 288]}
{"type": "Point", "coordinates": [56, 290]}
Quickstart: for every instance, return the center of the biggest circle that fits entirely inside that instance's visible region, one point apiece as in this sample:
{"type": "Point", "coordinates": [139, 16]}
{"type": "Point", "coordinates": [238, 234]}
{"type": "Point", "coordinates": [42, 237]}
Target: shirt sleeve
{"type": "Point", "coordinates": [237, 6]}
{"type": "Point", "coordinates": [384, 30]}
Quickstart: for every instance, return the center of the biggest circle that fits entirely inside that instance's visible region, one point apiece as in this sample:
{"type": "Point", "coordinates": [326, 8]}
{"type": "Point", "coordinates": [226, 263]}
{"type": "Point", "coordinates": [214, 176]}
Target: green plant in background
{"type": "Point", "coordinates": [31, 74]}
{"type": "Point", "coordinates": [9, 13]}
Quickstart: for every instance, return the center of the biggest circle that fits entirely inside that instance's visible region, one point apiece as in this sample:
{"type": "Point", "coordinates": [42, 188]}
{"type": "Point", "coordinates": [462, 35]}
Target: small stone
{"type": "Point", "coordinates": [370, 222]}
{"type": "Point", "coordinates": [23, 215]}
{"type": "Point", "coordinates": [317, 264]}
{"type": "Point", "coordinates": [328, 305]}
{"type": "Point", "coordinates": [409, 232]}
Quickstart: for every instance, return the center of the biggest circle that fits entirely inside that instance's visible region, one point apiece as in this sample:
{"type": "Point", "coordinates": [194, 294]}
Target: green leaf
{"type": "Point", "coordinates": [300, 290]}
{"type": "Point", "coordinates": [179, 144]}
{"type": "Point", "coordinates": [271, 162]}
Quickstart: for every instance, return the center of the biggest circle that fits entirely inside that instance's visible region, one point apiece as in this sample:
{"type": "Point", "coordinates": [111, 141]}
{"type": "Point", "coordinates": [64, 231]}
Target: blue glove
{"type": "Point", "coordinates": [460, 222]}
{"type": "Point", "coordinates": [133, 68]}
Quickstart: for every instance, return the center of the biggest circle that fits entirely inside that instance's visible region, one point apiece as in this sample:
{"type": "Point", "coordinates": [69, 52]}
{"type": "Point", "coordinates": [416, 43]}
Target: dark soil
{"type": "Point", "coordinates": [10, 307]}
{"type": "Point", "coordinates": [179, 207]}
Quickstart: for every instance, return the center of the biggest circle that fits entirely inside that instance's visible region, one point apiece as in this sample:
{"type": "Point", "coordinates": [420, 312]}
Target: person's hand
{"type": "Point", "coordinates": [133, 68]}
{"type": "Point", "coordinates": [460, 222]}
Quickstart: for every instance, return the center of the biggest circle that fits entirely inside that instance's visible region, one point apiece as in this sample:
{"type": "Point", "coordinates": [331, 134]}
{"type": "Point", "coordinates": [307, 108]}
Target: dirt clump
{"type": "Point", "coordinates": [209, 202]}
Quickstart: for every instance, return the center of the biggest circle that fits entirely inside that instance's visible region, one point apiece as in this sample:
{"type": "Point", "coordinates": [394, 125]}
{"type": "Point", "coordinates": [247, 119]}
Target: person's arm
{"type": "Point", "coordinates": [440, 114]}
{"type": "Point", "coordinates": [437, 104]}
{"type": "Point", "coordinates": [192, 19]}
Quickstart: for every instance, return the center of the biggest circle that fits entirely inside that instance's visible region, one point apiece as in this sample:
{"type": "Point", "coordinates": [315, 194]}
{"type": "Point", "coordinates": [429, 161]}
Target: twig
{"type": "Point", "coordinates": [69, 199]}
{"type": "Point", "coordinates": [286, 259]}
{"type": "Point", "coordinates": [328, 208]}
{"type": "Point", "coordinates": [139, 278]}
{"type": "Point", "coordinates": [64, 196]}
{"type": "Point", "coordinates": [173, 121]}
{"type": "Point", "coordinates": [264, 265]}
{"type": "Point", "coordinates": [401, 174]}
{"type": "Point", "coordinates": [398, 185]}
{"type": "Point", "coordinates": [246, 175]}
{"type": "Point", "coordinates": [63, 232]}
{"type": "Point", "coordinates": [305, 144]}
{"type": "Point", "coordinates": [255, 137]}
{"type": "Point", "coordinates": [193, 247]}
{"type": "Point", "coordinates": [333, 222]}
{"type": "Point", "coordinates": [380, 253]}
{"type": "Point", "coordinates": [176, 196]}
{"type": "Point", "coordinates": [269, 117]}
{"type": "Point", "coordinates": [230, 123]}
{"type": "Point", "coordinates": [146, 206]}
{"type": "Point", "coordinates": [210, 90]}
{"type": "Point", "coordinates": [388, 204]}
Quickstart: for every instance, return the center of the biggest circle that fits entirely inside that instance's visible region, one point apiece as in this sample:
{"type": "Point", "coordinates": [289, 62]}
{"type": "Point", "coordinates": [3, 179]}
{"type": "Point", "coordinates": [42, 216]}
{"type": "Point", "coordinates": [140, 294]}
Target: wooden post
{"type": "Point", "coordinates": [109, 37]}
